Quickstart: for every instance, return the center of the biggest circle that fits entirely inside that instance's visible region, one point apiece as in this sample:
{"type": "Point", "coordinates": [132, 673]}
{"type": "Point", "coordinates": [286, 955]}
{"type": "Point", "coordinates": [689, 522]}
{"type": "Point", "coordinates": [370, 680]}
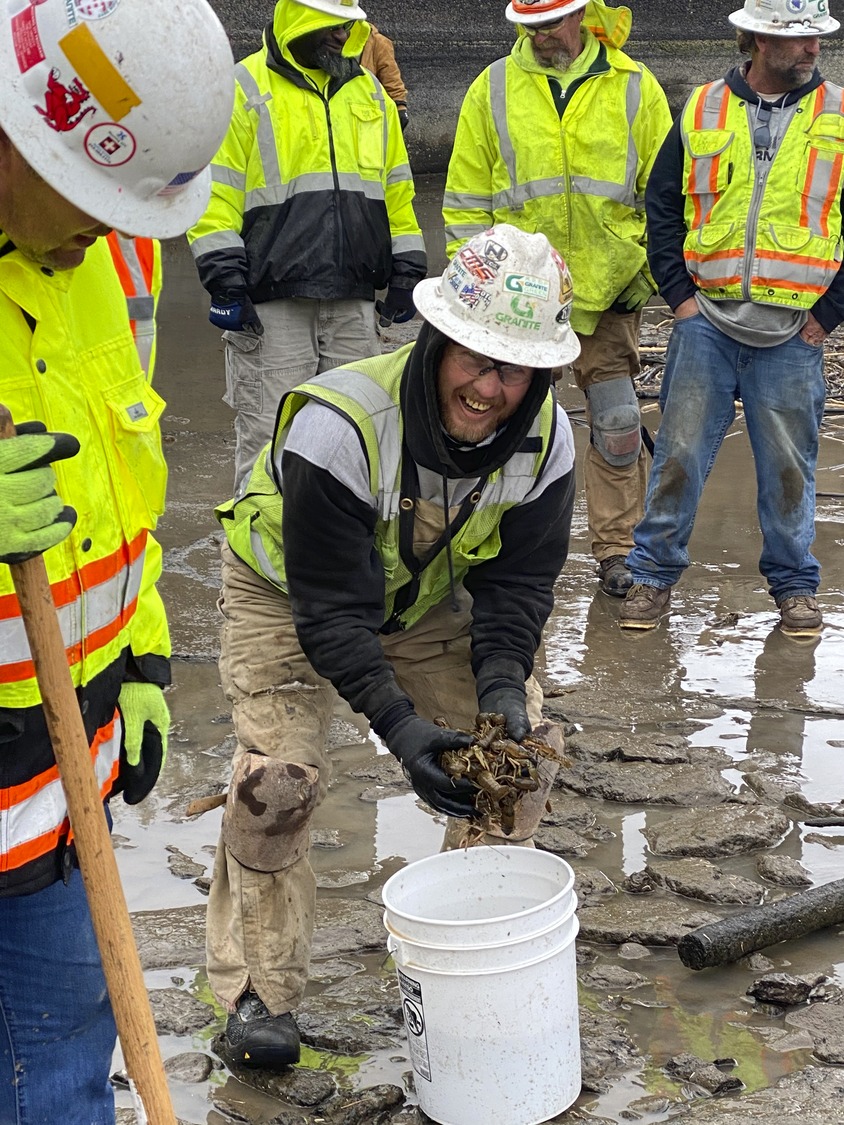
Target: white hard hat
{"type": "Point", "coordinates": [119, 104]}
{"type": "Point", "coordinates": [506, 294]}
{"type": "Point", "coordinates": [342, 9]}
{"type": "Point", "coordinates": [541, 11]}
{"type": "Point", "coordinates": [785, 17]}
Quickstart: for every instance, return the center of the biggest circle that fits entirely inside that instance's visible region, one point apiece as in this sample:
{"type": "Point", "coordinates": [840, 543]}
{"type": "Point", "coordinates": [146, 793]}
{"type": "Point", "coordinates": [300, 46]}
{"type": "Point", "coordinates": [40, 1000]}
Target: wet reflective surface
{"type": "Point", "coordinates": [717, 671]}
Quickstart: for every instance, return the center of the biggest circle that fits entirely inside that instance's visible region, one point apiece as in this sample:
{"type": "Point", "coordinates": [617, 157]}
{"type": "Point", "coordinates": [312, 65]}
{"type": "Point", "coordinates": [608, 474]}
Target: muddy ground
{"type": "Point", "coordinates": [701, 754]}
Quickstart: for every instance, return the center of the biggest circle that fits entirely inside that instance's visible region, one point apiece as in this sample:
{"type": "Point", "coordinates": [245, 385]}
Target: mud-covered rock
{"type": "Point", "coordinates": [182, 866]}
{"type": "Point", "coordinates": [347, 926]}
{"type": "Point", "coordinates": [704, 1074]}
{"type": "Point", "coordinates": [562, 841]}
{"type": "Point", "coordinates": [783, 870]}
{"type": "Point", "coordinates": [569, 812]}
{"type": "Point", "coordinates": [591, 885]}
{"type": "Point", "coordinates": [612, 978]}
{"type": "Point", "coordinates": [605, 1049]}
{"type": "Point", "coordinates": [809, 1097]}
{"type": "Point", "coordinates": [372, 1106]}
{"type": "Point", "coordinates": [359, 1015]}
{"type": "Point", "coordinates": [606, 746]}
{"type": "Point", "coordinates": [718, 831]}
{"type": "Point", "coordinates": [786, 989]}
{"type": "Point", "coordinates": [648, 920]}
{"type": "Point", "coordinates": [178, 1012]}
{"type": "Point", "coordinates": [704, 881]}
{"type": "Point", "coordinates": [169, 938]}
{"type": "Point", "coordinates": [190, 1067]}
{"type": "Point", "coordinates": [646, 783]}
{"type": "Point", "coordinates": [825, 1024]}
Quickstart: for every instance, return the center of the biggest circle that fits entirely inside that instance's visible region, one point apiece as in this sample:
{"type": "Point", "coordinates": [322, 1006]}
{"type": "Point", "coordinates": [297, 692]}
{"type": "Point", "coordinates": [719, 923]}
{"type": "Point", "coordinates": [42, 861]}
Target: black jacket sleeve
{"type": "Point", "coordinates": [664, 204]}
{"type": "Point", "coordinates": [335, 582]}
{"type": "Point", "coordinates": [513, 593]}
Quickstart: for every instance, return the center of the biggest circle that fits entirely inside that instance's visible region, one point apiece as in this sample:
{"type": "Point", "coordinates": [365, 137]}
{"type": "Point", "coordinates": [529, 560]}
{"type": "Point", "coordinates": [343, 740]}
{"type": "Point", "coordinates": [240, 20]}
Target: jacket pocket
{"type": "Point", "coordinates": [134, 410]}
{"type": "Point", "coordinates": [368, 123]}
{"type": "Point", "coordinates": [708, 166]}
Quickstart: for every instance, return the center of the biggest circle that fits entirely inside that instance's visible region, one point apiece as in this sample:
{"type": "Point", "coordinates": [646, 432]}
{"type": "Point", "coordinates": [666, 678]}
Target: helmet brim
{"type": "Point", "coordinates": [547, 16]}
{"type": "Point", "coordinates": [796, 30]}
{"type": "Point", "coordinates": [430, 302]}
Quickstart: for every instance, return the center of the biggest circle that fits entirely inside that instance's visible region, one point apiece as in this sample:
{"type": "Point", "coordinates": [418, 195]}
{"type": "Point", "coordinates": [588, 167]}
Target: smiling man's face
{"type": "Point", "coordinates": [472, 407]}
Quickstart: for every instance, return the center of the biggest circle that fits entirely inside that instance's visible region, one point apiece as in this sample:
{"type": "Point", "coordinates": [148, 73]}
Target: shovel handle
{"type": "Point", "coordinates": [107, 903]}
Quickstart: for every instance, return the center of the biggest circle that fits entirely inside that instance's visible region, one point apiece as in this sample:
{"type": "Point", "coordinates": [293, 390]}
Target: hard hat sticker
{"type": "Point", "coordinates": [64, 106]}
{"type": "Point", "coordinates": [178, 183]}
{"type": "Point", "coordinates": [535, 287]}
{"type": "Point", "coordinates": [26, 40]}
{"type": "Point", "coordinates": [95, 68]}
{"type": "Point", "coordinates": [110, 144]}
{"type": "Point", "coordinates": [95, 9]}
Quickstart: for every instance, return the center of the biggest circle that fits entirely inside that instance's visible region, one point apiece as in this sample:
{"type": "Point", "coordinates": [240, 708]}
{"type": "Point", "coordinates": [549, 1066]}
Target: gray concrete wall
{"type": "Point", "coordinates": [442, 46]}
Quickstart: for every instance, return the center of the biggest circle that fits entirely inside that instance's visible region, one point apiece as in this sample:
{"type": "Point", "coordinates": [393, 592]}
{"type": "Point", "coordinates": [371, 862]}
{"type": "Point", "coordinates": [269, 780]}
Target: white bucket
{"type": "Point", "coordinates": [491, 1013]}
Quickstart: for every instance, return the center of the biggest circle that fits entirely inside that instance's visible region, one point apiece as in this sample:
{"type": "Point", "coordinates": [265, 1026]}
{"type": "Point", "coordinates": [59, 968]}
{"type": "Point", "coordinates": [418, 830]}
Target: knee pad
{"type": "Point", "coordinates": [268, 811]}
{"type": "Point", "coordinates": [616, 428]}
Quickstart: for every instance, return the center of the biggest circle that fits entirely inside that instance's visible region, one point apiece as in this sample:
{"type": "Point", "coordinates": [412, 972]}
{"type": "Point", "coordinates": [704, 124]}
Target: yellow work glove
{"type": "Point", "coordinates": [635, 296]}
{"type": "Point", "coordinates": [146, 724]}
{"type": "Point", "coordinates": [32, 517]}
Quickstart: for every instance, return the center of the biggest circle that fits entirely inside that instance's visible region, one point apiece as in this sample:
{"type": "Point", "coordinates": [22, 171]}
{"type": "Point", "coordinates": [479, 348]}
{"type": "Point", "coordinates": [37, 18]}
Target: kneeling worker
{"type": "Point", "coordinates": [427, 501]}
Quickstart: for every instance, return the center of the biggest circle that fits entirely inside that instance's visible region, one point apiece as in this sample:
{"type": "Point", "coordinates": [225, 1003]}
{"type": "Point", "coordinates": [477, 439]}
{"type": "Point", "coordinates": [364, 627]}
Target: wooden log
{"type": "Point", "coordinates": [727, 940]}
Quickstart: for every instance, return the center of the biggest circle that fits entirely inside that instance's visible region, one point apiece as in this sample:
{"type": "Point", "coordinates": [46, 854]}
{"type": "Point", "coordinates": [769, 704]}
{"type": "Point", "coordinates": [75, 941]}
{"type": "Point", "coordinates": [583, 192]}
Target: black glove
{"type": "Point", "coordinates": [233, 311]}
{"type": "Point", "coordinates": [403, 117]}
{"type": "Point", "coordinates": [146, 724]}
{"type": "Point", "coordinates": [396, 308]}
{"type": "Point", "coordinates": [509, 701]}
{"type": "Point", "coordinates": [418, 744]}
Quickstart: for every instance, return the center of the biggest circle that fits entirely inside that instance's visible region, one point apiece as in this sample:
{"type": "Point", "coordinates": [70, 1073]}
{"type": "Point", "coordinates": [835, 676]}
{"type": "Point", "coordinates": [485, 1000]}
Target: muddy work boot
{"type": "Point", "coordinates": [800, 616]}
{"type": "Point", "coordinates": [616, 579]}
{"type": "Point", "coordinates": [643, 606]}
{"type": "Point", "coordinates": [258, 1040]}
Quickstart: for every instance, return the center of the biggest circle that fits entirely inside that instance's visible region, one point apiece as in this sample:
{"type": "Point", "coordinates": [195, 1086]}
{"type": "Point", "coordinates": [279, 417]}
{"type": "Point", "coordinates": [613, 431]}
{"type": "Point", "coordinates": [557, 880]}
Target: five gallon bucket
{"type": "Point", "coordinates": [483, 942]}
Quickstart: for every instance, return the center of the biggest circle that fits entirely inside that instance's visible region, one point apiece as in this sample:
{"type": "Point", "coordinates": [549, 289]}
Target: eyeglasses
{"type": "Point", "coordinates": [347, 26]}
{"type": "Point", "coordinates": [762, 131]}
{"type": "Point", "coordinates": [510, 374]}
{"type": "Point", "coordinates": [545, 28]}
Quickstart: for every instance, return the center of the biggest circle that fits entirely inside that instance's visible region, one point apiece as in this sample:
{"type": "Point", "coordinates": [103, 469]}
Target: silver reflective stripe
{"type": "Point", "coordinates": [267, 568]}
{"type": "Point", "coordinates": [824, 175]}
{"type": "Point", "coordinates": [383, 414]}
{"type": "Point", "coordinates": [378, 96]}
{"type": "Point", "coordinates": [129, 251]}
{"type": "Point", "coordinates": [256, 102]}
{"type": "Point", "coordinates": [140, 308]}
{"type": "Point", "coordinates": [460, 231]}
{"type": "Point", "coordinates": [230, 177]}
{"type": "Point", "coordinates": [710, 118]}
{"type": "Point", "coordinates": [276, 194]}
{"type": "Point", "coordinates": [498, 106]}
{"type": "Point", "coordinates": [516, 479]}
{"type": "Point", "coordinates": [406, 243]}
{"type": "Point", "coordinates": [46, 809]}
{"type": "Point", "coordinates": [98, 607]}
{"type": "Point", "coordinates": [216, 240]}
{"type": "Point", "coordinates": [400, 174]}
{"type": "Point", "coordinates": [464, 201]}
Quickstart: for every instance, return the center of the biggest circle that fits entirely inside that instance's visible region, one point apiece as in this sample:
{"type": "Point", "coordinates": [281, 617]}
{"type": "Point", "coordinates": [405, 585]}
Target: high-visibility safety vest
{"type": "Point", "coordinates": [578, 179]}
{"type": "Point", "coordinates": [68, 359]}
{"type": "Point", "coordinates": [138, 265]}
{"type": "Point", "coordinates": [312, 191]}
{"type": "Point", "coordinates": [367, 393]}
{"type": "Point", "coordinates": [775, 240]}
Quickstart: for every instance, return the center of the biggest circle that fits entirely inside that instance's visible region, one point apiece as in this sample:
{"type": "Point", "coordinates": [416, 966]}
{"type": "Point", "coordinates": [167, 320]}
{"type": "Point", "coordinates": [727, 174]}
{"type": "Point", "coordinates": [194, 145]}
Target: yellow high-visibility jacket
{"type": "Point", "coordinates": [312, 192]}
{"type": "Point", "coordinates": [67, 359]}
{"type": "Point", "coordinates": [578, 178]}
{"type": "Point", "coordinates": [777, 241]}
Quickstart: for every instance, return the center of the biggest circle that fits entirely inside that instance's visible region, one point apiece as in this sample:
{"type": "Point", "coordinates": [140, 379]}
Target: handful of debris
{"type": "Point", "coordinates": [513, 778]}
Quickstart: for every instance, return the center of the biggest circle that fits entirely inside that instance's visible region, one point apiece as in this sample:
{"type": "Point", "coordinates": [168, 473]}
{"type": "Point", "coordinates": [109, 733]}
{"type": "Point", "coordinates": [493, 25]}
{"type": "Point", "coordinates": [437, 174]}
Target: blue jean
{"type": "Point", "coordinates": [782, 393]}
{"type": "Point", "coordinates": [57, 1032]}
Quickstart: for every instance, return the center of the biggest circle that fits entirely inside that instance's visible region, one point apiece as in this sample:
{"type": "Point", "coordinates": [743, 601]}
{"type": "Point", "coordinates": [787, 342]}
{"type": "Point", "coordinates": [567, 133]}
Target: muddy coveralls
{"type": "Point", "coordinates": [568, 153]}
{"type": "Point", "coordinates": [340, 589]}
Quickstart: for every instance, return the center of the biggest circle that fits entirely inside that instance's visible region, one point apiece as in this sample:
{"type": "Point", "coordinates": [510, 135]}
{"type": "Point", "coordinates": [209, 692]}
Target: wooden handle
{"type": "Point", "coordinates": [109, 913]}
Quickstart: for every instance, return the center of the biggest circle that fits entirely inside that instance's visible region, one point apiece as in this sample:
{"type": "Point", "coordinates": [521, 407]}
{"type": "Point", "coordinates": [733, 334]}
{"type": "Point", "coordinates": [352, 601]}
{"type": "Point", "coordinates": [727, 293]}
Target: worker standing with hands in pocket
{"type": "Point", "coordinates": [108, 120]}
{"type": "Point", "coordinates": [560, 137]}
{"type": "Point", "coordinates": [311, 212]}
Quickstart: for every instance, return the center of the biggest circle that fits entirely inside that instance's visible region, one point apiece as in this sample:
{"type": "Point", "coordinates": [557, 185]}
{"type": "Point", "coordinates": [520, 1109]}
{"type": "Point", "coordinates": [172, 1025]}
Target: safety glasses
{"type": "Point", "coordinates": [762, 129]}
{"type": "Point", "coordinates": [545, 28]}
{"type": "Point", "coordinates": [510, 374]}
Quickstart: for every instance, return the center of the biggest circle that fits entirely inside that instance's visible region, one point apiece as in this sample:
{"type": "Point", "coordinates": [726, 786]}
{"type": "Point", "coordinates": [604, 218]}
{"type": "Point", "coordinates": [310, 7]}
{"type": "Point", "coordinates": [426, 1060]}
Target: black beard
{"type": "Point", "coordinates": [337, 66]}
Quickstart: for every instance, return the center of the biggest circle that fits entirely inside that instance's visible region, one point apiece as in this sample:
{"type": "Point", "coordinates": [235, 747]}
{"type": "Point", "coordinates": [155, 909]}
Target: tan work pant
{"type": "Point", "coordinates": [301, 339]}
{"type": "Point", "coordinates": [260, 924]}
{"type": "Point", "coordinates": [615, 494]}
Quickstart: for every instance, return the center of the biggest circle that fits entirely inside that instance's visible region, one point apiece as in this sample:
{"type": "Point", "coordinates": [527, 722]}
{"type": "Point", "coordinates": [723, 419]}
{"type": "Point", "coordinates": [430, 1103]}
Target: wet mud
{"type": "Point", "coordinates": [706, 777]}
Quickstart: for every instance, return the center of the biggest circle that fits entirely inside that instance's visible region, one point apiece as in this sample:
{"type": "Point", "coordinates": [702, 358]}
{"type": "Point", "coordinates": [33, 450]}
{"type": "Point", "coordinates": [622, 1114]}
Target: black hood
{"type": "Point", "coordinates": [737, 82]}
{"type": "Point", "coordinates": [427, 441]}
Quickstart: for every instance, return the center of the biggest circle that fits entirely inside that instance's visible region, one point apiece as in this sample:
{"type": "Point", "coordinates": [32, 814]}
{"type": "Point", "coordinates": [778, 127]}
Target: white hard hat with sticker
{"type": "Point", "coordinates": [342, 9]}
{"type": "Point", "coordinates": [506, 294]}
{"type": "Point", "coordinates": [530, 12]}
{"type": "Point", "coordinates": [785, 17]}
{"type": "Point", "coordinates": [119, 105]}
